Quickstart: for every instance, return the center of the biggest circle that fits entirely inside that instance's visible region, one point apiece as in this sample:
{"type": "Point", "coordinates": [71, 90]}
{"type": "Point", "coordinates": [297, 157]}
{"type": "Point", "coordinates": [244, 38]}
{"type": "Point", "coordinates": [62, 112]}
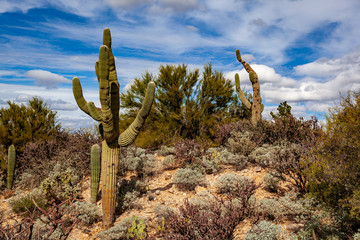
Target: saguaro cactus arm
{"type": "Point", "coordinates": [87, 107]}
{"type": "Point", "coordinates": [129, 135]}
{"type": "Point", "coordinates": [256, 106]}
{"type": "Point", "coordinates": [241, 93]}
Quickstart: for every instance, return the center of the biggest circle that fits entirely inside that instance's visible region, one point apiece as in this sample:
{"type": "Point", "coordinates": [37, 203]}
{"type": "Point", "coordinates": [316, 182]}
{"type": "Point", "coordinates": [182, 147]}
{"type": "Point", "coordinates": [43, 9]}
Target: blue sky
{"type": "Point", "coordinates": [305, 52]}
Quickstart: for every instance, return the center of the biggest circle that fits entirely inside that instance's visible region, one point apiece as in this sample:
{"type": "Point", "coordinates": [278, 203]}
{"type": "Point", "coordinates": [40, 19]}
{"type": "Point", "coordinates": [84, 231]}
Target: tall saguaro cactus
{"type": "Point", "coordinates": [256, 106]}
{"type": "Point", "coordinates": [108, 118]}
{"type": "Point", "coordinates": [95, 171]}
{"type": "Point", "coordinates": [11, 166]}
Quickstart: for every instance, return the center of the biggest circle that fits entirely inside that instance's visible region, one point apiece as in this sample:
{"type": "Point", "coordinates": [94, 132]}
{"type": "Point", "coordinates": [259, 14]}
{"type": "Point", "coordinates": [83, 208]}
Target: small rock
{"type": "Point", "coordinates": [151, 197]}
{"type": "Point", "coordinates": [295, 227]}
{"type": "Point", "coordinates": [157, 192]}
{"type": "Point", "coordinates": [171, 190]}
{"type": "Point", "coordinates": [258, 169]}
{"type": "Point", "coordinates": [168, 176]}
{"type": "Point", "coordinates": [199, 189]}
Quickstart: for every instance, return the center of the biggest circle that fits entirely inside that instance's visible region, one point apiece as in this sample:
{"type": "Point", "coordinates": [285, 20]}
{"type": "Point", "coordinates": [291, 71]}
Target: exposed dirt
{"type": "Point", "coordinates": [166, 193]}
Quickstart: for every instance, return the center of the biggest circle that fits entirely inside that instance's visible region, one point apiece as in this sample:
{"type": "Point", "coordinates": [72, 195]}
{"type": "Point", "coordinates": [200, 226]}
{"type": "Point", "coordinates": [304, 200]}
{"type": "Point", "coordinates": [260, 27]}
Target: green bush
{"type": "Point", "coordinates": [264, 230]}
{"type": "Point", "coordinates": [271, 182]}
{"type": "Point", "coordinates": [229, 158]}
{"type": "Point", "coordinates": [62, 184]}
{"type": "Point", "coordinates": [289, 207]}
{"type": "Point", "coordinates": [334, 166]}
{"type": "Point", "coordinates": [241, 143]}
{"type": "Point", "coordinates": [88, 213]}
{"type": "Point", "coordinates": [25, 202]}
{"type": "Point", "coordinates": [188, 179]}
{"type": "Point", "coordinates": [230, 182]}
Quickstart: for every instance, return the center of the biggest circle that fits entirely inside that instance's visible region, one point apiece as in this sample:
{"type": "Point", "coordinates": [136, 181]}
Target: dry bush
{"type": "Point", "coordinates": [70, 149]}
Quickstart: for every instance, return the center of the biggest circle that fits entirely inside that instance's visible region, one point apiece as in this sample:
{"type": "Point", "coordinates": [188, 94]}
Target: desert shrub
{"type": "Point", "coordinates": [289, 207]}
{"type": "Point", "coordinates": [229, 158]}
{"type": "Point", "coordinates": [189, 152]}
{"type": "Point", "coordinates": [56, 222]}
{"type": "Point", "coordinates": [88, 213]}
{"type": "Point", "coordinates": [210, 164]}
{"type": "Point", "coordinates": [264, 230]}
{"type": "Point", "coordinates": [288, 164]}
{"type": "Point", "coordinates": [140, 160]}
{"type": "Point", "coordinates": [263, 155]}
{"type": "Point", "coordinates": [241, 143]}
{"type": "Point", "coordinates": [162, 212]}
{"type": "Point", "coordinates": [117, 232]}
{"type": "Point", "coordinates": [192, 222]}
{"type": "Point", "coordinates": [230, 182]}
{"type": "Point", "coordinates": [334, 165]}
{"type": "Point", "coordinates": [271, 182]}
{"type": "Point", "coordinates": [70, 149]}
{"type": "Point", "coordinates": [170, 162]}
{"type": "Point", "coordinates": [128, 193]}
{"type": "Point", "coordinates": [61, 184]}
{"type": "Point", "coordinates": [188, 179]}
{"type": "Point", "coordinates": [323, 224]}
{"type": "Point", "coordinates": [25, 202]}
{"type": "Point", "coordinates": [166, 150]}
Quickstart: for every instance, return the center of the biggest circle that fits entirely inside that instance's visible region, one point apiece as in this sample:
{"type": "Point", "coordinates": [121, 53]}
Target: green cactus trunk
{"type": "Point", "coordinates": [11, 166]}
{"type": "Point", "coordinates": [108, 116]}
{"type": "Point", "coordinates": [95, 171]}
{"type": "Point", "coordinates": [110, 166]}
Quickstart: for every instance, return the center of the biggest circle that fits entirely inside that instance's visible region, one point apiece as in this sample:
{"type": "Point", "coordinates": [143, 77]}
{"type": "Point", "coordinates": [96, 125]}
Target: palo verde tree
{"type": "Point", "coordinates": [187, 104]}
{"type": "Point", "coordinates": [20, 124]}
{"type": "Point", "coordinates": [334, 167]}
{"type": "Point", "coordinates": [108, 118]}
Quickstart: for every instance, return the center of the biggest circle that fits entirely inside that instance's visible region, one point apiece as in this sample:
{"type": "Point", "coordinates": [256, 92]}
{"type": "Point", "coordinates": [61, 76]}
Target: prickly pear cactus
{"type": "Point", "coordinates": [108, 118]}
{"type": "Point", "coordinates": [256, 106]}
{"type": "Point", "coordinates": [95, 171]}
{"type": "Point", "coordinates": [11, 166]}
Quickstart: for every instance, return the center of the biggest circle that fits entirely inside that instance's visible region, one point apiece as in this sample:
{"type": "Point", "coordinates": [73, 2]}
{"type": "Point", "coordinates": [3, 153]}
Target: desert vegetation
{"type": "Point", "coordinates": [205, 165]}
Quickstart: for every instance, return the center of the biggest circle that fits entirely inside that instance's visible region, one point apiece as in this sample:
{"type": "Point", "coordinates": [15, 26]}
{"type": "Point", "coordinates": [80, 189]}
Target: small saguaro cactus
{"type": "Point", "coordinates": [11, 166]}
{"type": "Point", "coordinates": [256, 106]}
{"type": "Point", "coordinates": [108, 118]}
{"type": "Point", "coordinates": [95, 171]}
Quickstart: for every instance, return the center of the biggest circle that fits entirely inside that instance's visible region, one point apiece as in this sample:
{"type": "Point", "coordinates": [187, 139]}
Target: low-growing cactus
{"type": "Point", "coordinates": [95, 171]}
{"type": "Point", "coordinates": [256, 106]}
{"type": "Point", "coordinates": [11, 166]}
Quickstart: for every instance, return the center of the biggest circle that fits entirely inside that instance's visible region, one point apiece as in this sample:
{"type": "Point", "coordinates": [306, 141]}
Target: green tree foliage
{"type": "Point", "coordinates": [187, 104]}
{"type": "Point", "coordinates": [334, 169]}
{"type": "Point", "coordinates": [20, 124]}
{"type": "Point", "coordinates": [284, 110]}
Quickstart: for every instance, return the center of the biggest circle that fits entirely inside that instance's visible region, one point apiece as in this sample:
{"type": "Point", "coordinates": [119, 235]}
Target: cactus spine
{"type": "Point", "coordinates": [256, 106]}
{"type": "Point", "coordinates": [108, 118]}
{"type": "Point", "coordinates": [95, 171]}
{"type": "Point", "coordinates": [11, 166]}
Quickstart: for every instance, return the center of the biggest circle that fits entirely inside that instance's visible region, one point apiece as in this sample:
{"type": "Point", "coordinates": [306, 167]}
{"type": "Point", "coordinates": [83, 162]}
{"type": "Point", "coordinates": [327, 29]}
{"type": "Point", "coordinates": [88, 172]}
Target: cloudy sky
{"type": "Point", "coordinates": [305, 52]}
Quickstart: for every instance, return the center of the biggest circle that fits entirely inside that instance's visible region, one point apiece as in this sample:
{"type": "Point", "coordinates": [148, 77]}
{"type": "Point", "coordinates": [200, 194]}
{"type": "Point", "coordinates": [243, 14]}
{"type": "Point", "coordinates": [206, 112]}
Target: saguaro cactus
{"type": "Point", "coordinates": [11, 166]}
{"type": "Point", "coordinates": [108, 118]}
{"type": "Point", "coordinates": [95, 171]}
{"type": "Point", "coordinates": [256, 106]}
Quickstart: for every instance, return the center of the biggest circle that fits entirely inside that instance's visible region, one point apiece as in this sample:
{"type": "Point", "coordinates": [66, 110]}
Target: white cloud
{"type": "Point", "coordinates": [125, 3]}
{"type": "Point", "coordinates": [46, 78]}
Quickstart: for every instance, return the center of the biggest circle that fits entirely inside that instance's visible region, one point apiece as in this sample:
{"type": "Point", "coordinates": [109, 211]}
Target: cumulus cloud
{"type": "Point", "coordinates": [125, 3]}
{"type": "Point", "coordinates": [58, 104]}
{"type": "Point", "coordinates": [46, 78]}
